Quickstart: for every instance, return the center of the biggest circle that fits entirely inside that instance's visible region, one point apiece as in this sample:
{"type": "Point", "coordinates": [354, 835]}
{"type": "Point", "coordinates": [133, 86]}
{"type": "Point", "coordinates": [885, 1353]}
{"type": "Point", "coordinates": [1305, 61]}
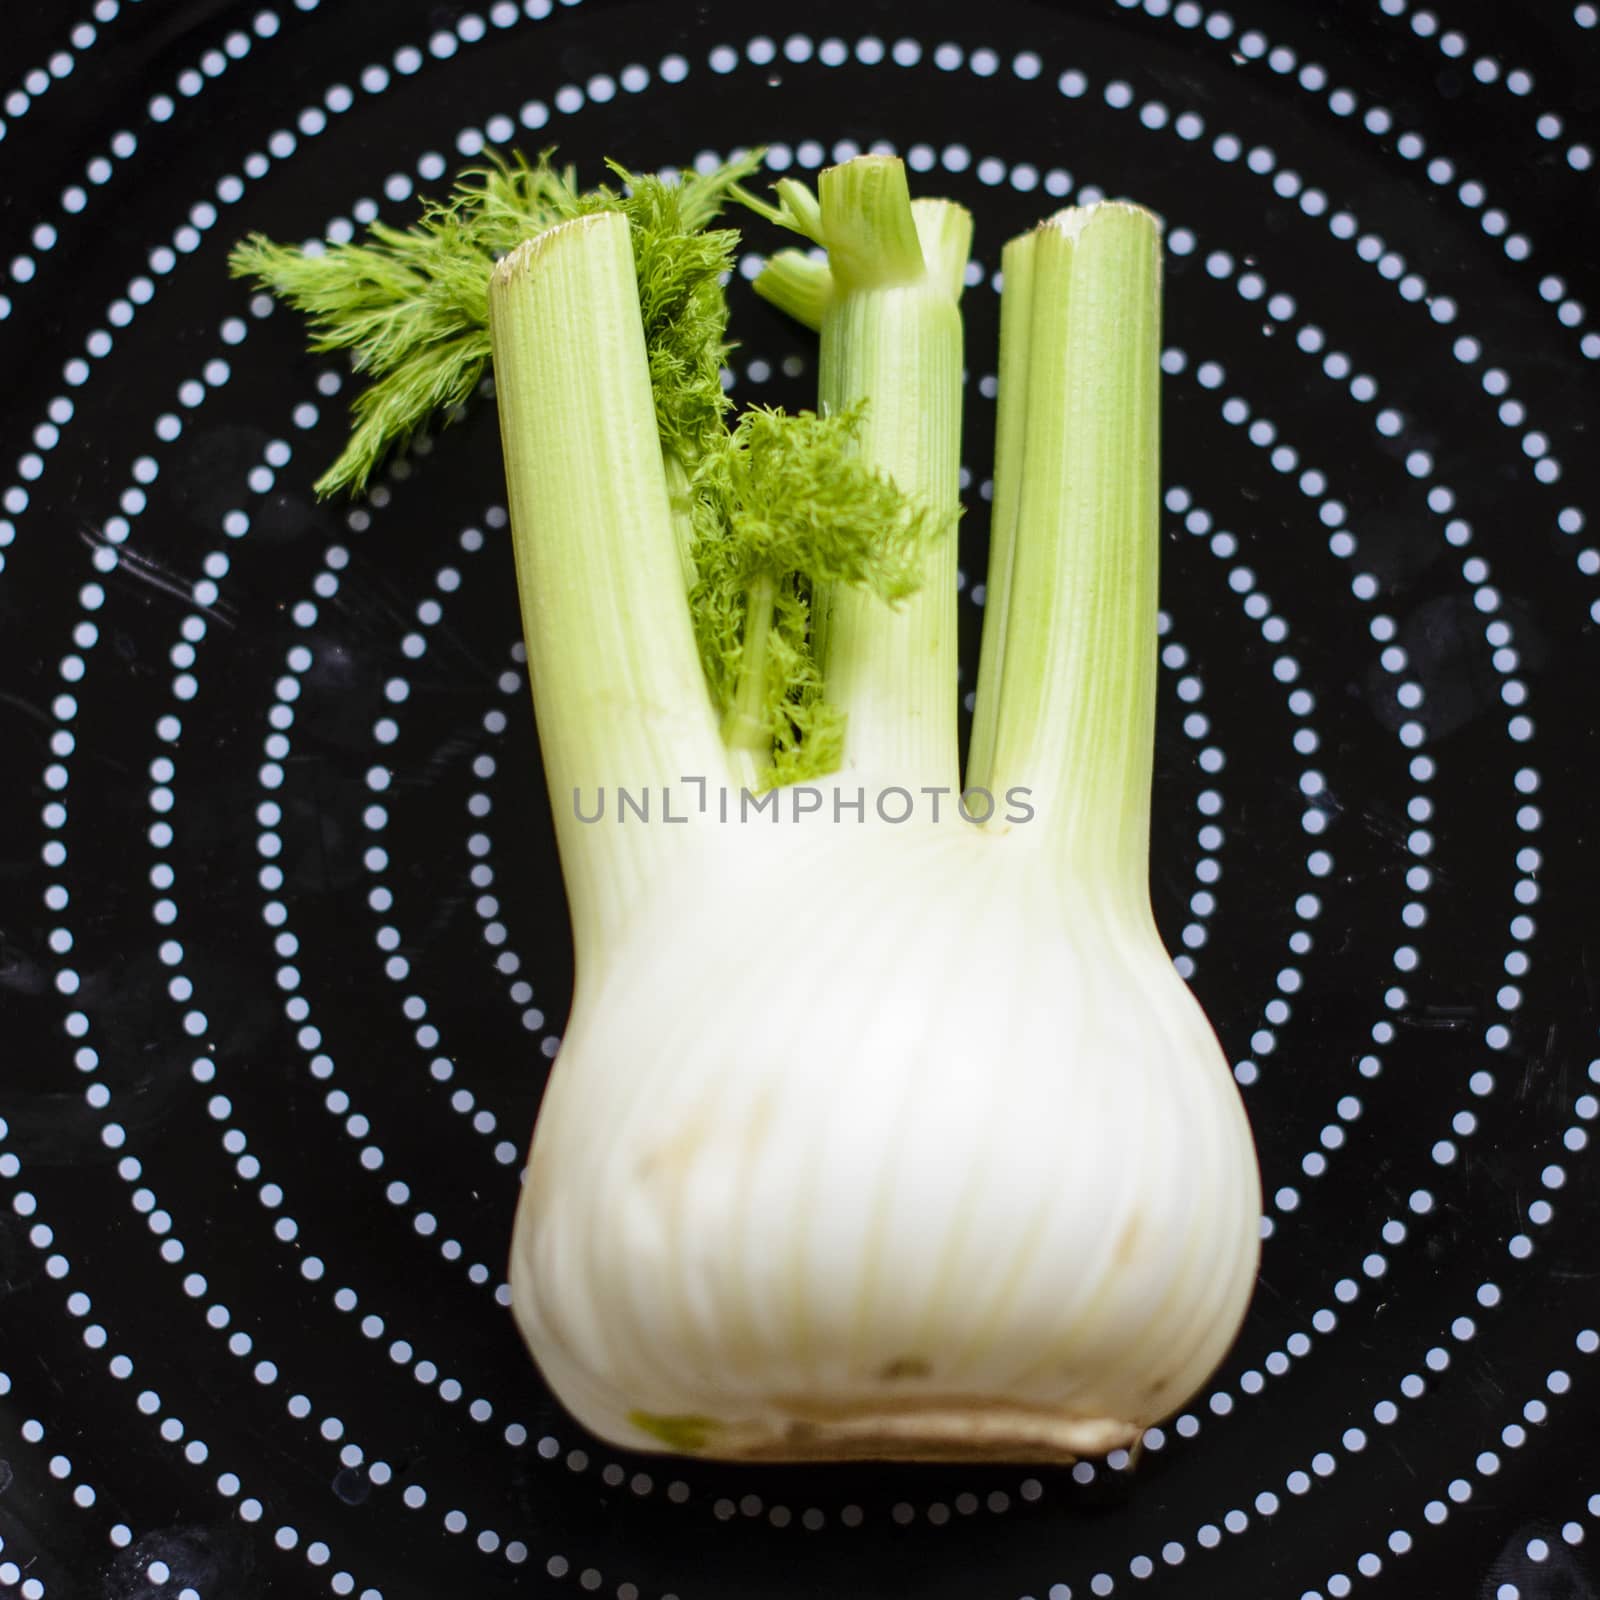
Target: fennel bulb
{"type": "Point", "coordinates": [874, 1132]}
{"type": "Point", "coordinates": [944, 1162]}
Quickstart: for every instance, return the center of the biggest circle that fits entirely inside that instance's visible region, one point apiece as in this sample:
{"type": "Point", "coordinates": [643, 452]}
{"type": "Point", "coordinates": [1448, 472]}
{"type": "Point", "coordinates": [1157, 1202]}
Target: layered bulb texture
{"type": "Point", "coordinates": [958, 1173]}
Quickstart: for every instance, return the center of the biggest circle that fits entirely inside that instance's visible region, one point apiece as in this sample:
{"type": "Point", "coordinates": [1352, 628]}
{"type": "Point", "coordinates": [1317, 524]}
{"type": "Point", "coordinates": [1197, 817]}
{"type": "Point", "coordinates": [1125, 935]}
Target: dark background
{"type": "Point", "coordinates": [269, 1055]}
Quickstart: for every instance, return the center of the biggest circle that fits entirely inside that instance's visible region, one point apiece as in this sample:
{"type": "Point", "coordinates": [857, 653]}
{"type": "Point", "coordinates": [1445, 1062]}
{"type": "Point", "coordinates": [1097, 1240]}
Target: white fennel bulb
{"type": "Point", "coordinates": [944, 1162]}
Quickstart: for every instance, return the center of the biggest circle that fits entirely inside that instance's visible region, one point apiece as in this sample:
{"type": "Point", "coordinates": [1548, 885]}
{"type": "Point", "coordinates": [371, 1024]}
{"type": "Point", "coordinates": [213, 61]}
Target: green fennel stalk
{"type": "Point", "coordinates": [1016, 336]}
{"type": "Point", "coordinates": [611, 654]}
{"type": "Point", "coordinates": [886, 304]}
{"type": "Point", "coordinates": [1066, 703]}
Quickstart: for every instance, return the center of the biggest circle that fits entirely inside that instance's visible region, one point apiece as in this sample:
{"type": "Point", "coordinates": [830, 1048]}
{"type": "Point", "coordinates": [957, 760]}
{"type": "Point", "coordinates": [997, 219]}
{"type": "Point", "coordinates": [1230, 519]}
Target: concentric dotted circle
{"type": "Point", "coordinates": [293, 960]}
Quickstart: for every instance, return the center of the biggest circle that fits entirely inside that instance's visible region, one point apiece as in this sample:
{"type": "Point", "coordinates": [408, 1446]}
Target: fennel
{"type": "Point", "coordinates": [867, 1137]}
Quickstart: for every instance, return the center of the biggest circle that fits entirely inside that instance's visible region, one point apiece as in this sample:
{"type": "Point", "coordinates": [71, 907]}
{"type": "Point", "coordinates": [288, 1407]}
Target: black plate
{"type": "Point", "coordinates": [284, 949]}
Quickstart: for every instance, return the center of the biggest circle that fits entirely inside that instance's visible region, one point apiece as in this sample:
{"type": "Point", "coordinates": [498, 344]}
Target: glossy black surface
{"type": "Point", "coordinates": [277, 860]}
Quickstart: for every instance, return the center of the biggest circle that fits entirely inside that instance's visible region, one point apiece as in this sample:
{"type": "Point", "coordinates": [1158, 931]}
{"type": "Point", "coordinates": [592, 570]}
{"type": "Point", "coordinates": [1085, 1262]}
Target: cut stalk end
{"type": "Point", "coordinates": [944, 233]}
{"type": "Point", "coordinates": [523, 261]}
{"type": "Point", "coordinates": [867, 224]}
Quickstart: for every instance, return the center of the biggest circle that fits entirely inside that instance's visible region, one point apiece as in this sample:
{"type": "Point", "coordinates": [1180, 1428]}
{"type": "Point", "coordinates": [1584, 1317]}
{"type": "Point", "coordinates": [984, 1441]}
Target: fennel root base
{"type": "Point", "coordinates": [926, 1429]}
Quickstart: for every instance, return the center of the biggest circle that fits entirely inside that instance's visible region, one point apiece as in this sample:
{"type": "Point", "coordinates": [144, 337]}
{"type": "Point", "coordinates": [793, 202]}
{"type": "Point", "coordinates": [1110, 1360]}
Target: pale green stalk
{"type": "Point", "coordinates": [617, 686]}
{"type": "Point", "coordinates": [797, 286]}
{"type": "Point", "coordinates": [680, 500]}
{"type": "Point", "coordinates": [746, 730]}
{"type": "Point", "coordinates": [1076, 717]}
{"type": "Point", "coordinates": [891, 335]}
{"type": "Point", "coordinates": [1016, 329]}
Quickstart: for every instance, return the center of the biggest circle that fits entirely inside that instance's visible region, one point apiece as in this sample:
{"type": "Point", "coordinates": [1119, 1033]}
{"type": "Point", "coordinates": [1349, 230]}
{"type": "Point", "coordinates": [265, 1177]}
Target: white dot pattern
{"type": "Point", "coordinates": [374, 712]}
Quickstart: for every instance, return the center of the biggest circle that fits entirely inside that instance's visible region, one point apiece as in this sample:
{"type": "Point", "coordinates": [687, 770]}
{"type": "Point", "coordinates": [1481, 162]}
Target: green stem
{"type": "Point", "coordinates": [745, 729]}
{"type": "Point", "coordinates": [891, 335]}
{"type": "Point", "coordinates": [796, 285]}
{"type": "Point", "coordinates": [620, 697]}
{"type": "Point", "coordinates": [1016, 328]}
{"type": "Point", "coordinates": [680, 501]}
{"type": "Point", "coordinates": [1076, 717]}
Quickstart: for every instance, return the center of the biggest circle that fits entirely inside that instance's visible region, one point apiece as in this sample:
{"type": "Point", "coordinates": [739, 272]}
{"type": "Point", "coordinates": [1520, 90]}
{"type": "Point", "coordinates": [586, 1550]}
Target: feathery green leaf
{"type": "Point", "coordinates": [412, 304]}
{"type": "Point", "coordinates": [786, 502]}
{"type": "Point", "coordinates": [777, 505]}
